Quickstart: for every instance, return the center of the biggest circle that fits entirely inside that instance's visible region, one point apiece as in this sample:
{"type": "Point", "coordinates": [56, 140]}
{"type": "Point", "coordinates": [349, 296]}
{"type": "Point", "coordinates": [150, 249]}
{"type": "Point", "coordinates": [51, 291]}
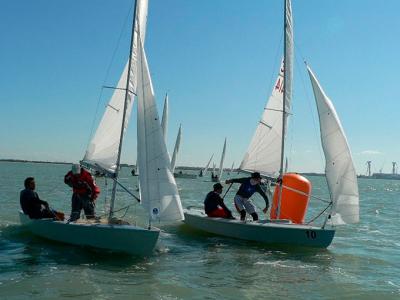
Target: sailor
{"type": "Point", "coordinates": [85, 192]}
{"type": "Point", "coordinates": [249, 185]}
{"type": "Point", "coordinates": [214, 205]}
{"type": "Point", "coordinates": [33, 206]}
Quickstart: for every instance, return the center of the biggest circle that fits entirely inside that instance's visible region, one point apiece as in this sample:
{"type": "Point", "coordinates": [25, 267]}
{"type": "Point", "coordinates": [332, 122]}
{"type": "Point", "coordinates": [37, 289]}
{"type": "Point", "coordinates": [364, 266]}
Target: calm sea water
{"type": "Point", "coordinates": [363, 261]}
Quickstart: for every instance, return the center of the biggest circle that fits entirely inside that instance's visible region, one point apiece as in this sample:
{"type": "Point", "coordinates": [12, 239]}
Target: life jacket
{"type": "Point", "coordinates": [82, 183]}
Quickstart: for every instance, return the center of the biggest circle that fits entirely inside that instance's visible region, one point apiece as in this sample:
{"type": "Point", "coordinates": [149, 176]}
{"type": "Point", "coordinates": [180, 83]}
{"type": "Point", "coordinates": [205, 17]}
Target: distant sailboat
{"type": "Point", "coordinates": [203, 172]}
{"type": "Point", "coordinates": [179, 174]}
{"type": "Point", "coordinates": [216, 178]}
{"type": "Point", "coordinates": [164, 119]}
{"type": "Point", "coordinates": [158, 190]}
{"type": "Point", "coordinates": [231, 170]}
{"type": "Point", "coordinates": [292, 191]}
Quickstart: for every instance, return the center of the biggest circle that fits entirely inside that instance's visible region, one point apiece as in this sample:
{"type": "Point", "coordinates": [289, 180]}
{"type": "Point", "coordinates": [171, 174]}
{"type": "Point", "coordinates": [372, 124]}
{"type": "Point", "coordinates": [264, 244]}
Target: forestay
{"type": "Point", "coordinates": [103, 148]}
{"type": "Point", "coordinates": [158, 190]}
{"type": "Point", "coordinates": [339, 166]}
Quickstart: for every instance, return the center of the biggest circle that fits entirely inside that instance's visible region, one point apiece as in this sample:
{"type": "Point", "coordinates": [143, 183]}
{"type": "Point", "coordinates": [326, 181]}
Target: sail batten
{"type": "Point", "coordinates": [339, 167]}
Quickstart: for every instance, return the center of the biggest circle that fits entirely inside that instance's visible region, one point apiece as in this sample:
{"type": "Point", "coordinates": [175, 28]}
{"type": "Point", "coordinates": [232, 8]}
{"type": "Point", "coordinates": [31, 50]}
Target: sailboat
{"type": "Point", "coordinates": [265, 155]}
{"type": "Point", "coordinates": [217, 177]}
{"type": "Point", "coordinates": [164, 119]}
{"type": "Point", "coordinates": [231, 169]}
{"type": "Point", "coordinates": [179, 174]}
{"type": "Point", "coordinates": [158, 191]}
{"type": "Point", "coordinates": [203, 172]}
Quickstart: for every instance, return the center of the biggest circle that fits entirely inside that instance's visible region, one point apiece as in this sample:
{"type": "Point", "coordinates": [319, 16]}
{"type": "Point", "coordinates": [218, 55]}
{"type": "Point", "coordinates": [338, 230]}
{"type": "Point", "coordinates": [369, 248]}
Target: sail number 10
{"type": "Point", "coordinates": [311, 234]}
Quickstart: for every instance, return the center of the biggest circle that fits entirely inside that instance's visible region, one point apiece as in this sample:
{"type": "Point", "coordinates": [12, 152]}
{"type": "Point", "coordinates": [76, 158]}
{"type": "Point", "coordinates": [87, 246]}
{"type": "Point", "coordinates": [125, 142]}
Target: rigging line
{"type": "Point", "coordinates": [313, 113]}
{"type": "Point", "coordinates": [106, 213]}
{"type": "Point", "coordinates": [108, 71]}
{"type": "Point", "coordinates": [227, 190]}
{"type": "Point", "coordinates": [126, 190]}
{"type": "Point", "coordinates": [305, 194]}
{"type": "Point", "coordinates": [313, 219]}
{"type": "Point", "coordinates": [273, 74]}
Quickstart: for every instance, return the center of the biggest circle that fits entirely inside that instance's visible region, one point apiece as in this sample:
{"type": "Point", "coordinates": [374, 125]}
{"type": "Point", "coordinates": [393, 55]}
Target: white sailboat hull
{"type": "Point", "coordinates": [288, 234]}
{"type": "Point", "coordinates": [119, 238]}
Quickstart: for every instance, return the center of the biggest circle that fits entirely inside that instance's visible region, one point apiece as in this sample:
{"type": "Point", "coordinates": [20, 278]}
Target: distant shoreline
{"type": "Point", "coordinates": [35, 161]}
{"type": "Point", "coordinates": [128, 165]}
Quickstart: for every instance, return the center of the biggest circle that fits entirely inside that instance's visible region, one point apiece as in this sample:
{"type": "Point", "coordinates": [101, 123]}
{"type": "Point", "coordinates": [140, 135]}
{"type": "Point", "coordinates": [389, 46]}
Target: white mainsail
{"type": "Point", "coordinates": [103, 148]}
{"type": "Point", "coordinates": [339, 166]}
{"type": "Point", "coordinates": [221, 164]}
{"type": "Point", "coordinates": [158, 190]}
{"type": "Point", "coordinates": [164, 120]}
{"type": "Point", "coordinates": [207, 165]}
{"type": "Point", "coordinates": [264, 152]}
{"type": "Point", "coordinates": [176, 148]}
{"type": "Point", "coordinates": [233, 164]}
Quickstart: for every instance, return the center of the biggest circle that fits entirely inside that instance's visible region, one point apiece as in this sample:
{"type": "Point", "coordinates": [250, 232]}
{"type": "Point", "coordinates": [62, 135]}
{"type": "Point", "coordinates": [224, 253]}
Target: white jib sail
{"type": "Point", "coordinates": [221, 164]}
{"type": "Point", "coordinates": [233, 164]}
{"type": "Point", "coordinates": [103, 148]}
{"type": "Point", "coordinates": [264, 152]}
{"type": "Point", "coordinates": [207, 165]}
{"type": "Point", "coordinates": [176, 149]}
{"type": "Point", "coordinates": [158, 190]}
{"type": "Point", "coordinates": [164, 120]}
{"type": "Point", "coordinates": [339, 167]}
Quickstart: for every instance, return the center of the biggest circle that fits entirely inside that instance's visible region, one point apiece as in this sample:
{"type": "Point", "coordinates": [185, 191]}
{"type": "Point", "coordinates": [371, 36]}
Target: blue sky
{"type": "Point", "coordinates": [216, 59]}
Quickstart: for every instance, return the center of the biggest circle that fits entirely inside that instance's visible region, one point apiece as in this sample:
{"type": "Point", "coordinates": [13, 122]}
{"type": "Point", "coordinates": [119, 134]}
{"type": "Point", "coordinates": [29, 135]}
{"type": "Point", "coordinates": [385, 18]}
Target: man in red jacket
{"type": "Point", "coordinates": [84, 193]}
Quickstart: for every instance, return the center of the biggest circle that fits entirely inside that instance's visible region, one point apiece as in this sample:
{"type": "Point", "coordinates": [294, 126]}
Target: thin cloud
{"type": "Point", "coordinates": [371, 152]}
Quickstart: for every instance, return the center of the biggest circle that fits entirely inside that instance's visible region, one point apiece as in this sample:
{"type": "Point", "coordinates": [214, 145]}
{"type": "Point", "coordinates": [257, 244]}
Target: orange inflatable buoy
{"type": "Point", "coordinates": [296, 191]}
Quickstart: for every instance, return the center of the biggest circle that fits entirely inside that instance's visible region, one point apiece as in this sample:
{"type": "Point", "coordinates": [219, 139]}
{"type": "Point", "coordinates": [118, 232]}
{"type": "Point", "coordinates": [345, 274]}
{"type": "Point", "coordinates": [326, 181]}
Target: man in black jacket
{"type": "Point", "coordinates": [214, 205]}
{"type": "Point", "coordinates": [31, 204]}
{"type": "Point", "coordinates": [247, 188]}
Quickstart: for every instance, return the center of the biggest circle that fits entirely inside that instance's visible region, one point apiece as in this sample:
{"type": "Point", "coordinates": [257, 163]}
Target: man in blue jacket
{"type": "Point", "coordinates": [249, 185]}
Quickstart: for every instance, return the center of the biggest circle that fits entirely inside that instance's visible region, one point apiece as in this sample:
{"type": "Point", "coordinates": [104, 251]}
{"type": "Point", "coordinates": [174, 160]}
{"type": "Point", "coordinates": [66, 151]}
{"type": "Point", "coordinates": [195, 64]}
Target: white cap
{"type": "Point", "coordinates": [76, 169]}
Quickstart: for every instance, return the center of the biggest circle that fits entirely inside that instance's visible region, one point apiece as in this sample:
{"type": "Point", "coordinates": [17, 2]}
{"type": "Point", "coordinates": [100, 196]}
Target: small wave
{"type": "Point", "coordinates": [395, 285]}
{"type": "Point", "coordinates": [280, 263]}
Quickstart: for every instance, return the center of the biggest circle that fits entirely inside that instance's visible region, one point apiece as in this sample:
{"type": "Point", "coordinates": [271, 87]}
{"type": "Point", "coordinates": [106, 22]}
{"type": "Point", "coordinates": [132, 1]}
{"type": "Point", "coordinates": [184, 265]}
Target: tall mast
{"type": "Point", "coordinates": [287, 81]}
{"type": "Point", "coordinates": [284, 91]}
{"type": "Point", "coordinates": [123, 116]}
